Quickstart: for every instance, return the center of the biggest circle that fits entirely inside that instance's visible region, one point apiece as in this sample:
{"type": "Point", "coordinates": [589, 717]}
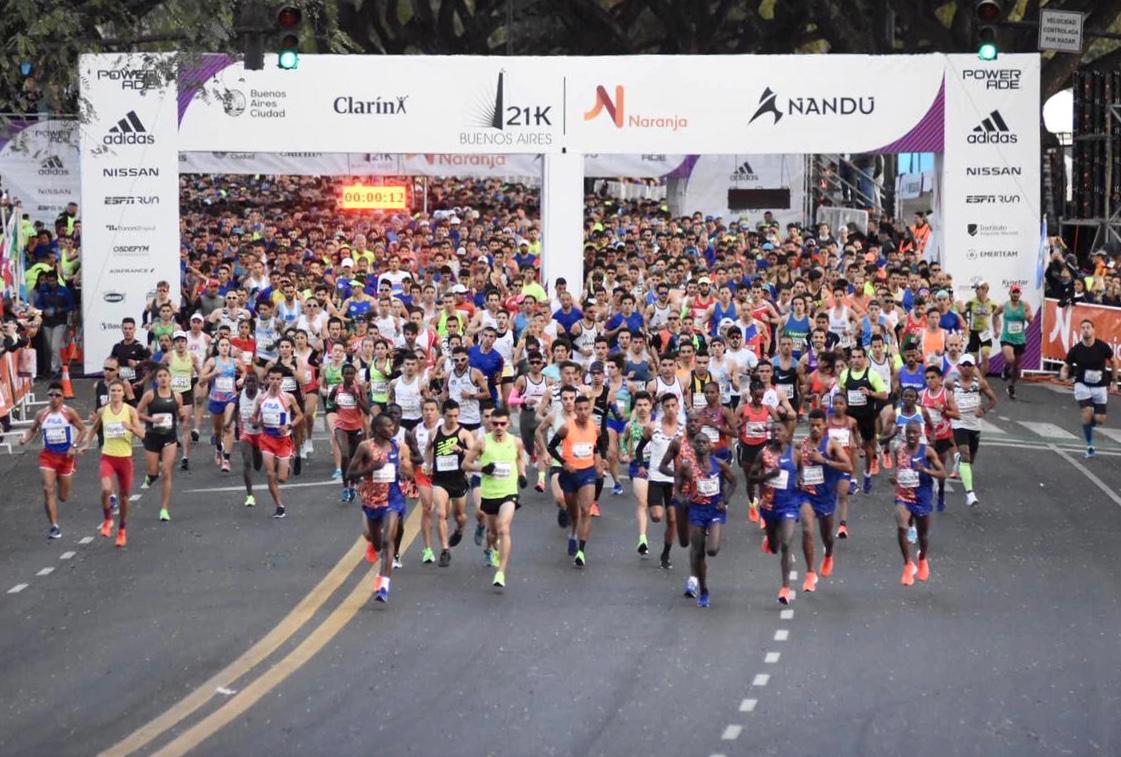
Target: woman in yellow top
{"type": "Point", "coordinates": [119, 422]}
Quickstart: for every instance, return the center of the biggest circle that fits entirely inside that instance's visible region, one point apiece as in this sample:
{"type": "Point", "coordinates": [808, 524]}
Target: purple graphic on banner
{"type": "Point", "coordinates": [1033, 350]}
{"type": "Point", "coordinates": [929, 134]}
{"type": "Point", "coordinates": [194, 78]}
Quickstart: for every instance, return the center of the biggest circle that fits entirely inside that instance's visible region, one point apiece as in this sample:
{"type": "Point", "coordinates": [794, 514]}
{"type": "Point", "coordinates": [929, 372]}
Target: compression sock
{"type": "Point", "coordinates": [582, 545]}
{"type": "Point", "coordinates": [966, 472]}
{"type": "Point", "coordinates": [1088, 432]}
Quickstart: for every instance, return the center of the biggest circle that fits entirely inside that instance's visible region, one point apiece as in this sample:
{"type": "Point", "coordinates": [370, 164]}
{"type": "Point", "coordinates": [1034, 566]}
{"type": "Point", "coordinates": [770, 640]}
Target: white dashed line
{"type": "Point", "coordinates": [85, 540]}
{"type": "Point", "coordinates": [760, 679]}
{"type": "Point", "coordinates": [134, 497]}
{"type": "Point", "coordinates": [772, 657]}
{"type": "Point", "coordinates": [17, 588]}
{"type": "Point", "coordinates": [748, 705]}
{"type": "Point", "coordinates": [1086, 472]}
{"type": "Point", "coordinates": [45, 572]}
{"type": "Point", "coordinates": [1004, 417]}
{"type": "Point", "coordinates": [786, 614]}
{"type": "Point", "coordinates": [716, 755]}
{"type": "Point", "coordinates": [66, 555]}
{"type": "Point", "coordinates": [732, 732]}
{"type": "Point", "coordinates": [225, 692]}
{"type": "Point", "coordinates": [782, 634]}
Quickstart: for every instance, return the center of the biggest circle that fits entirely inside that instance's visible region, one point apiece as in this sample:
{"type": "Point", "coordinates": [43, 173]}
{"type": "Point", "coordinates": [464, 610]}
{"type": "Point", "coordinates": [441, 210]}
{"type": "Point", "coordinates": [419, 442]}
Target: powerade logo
{"type": "Point", "coordinates": [811, 106]}
{"type": "Point", "coordinates": [992, 131]}
{"type": "Point", "coordinates": [129, 131]}
{"type": "Point", "coordinates": [994, 78]}
{"type": "Point", "coordinates": [132, 79]}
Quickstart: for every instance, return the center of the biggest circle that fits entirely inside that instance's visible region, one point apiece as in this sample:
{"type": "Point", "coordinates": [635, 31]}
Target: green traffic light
{"type": "Point", "coordinates": [289, 60]}
{"type": "Point", "coordinates": [987, 51]}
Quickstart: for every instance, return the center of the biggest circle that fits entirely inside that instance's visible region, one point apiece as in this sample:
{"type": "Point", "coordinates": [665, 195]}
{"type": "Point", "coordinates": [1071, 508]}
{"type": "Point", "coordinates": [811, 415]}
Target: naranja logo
{"type": "Point", "coordinates": [614, 108]}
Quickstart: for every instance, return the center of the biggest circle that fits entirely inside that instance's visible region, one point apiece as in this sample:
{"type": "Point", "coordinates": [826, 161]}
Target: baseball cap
{"type": "Point", "coordinates": [966, 359]}
{"type": "Point", "coordinates": [179, 335]}
{"type": "Point", "coordinates": [197, 317]}
{"type": "Point", "coordinates": [459, 289]}
{"type": "Point", "coordinates": [704, 280]}
{"type": "Point", "coordinates": [346, 263]}
{"type": "Point", "coordinates": [981, 283]}
{"type": "Point", "coordinates": [596, 367]}
{"type": "Point", "coordinates": [1015, 288]}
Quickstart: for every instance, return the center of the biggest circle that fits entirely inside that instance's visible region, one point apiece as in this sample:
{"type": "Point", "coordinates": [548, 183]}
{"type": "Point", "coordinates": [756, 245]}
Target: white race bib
{"type": "Point", "coordinates": [1015, 327]}
{"type": "Point", "coordinates": [180, 383]}
{"type": "Point", "coordinates": [583, 450]}
{"type": "Point", "coordinates": [786, 389]}
{"type": "Point", "coordinates": [969, 401]}
{"type": "Point", "coordinates": [907, 478]}
{"type": "Point", "coordinates": [162, 421]}
{"type": "Point", "coordinates": [813, 474]}
{"type": "Point", "coordinates": [224, 384]}
{"type": "Point", "coordinates": [379, 387]}
{"type": "Point", "coordinates": [287, 384]}
{"type": "Point", "coordinates": [271, 418]}
{"type": "Point", "coordinates": [756, 428]}
{"type": "Point", "coordinates": [127, 372]}
{"type": "Point", "coordinates": [712, 433]}
{"type": "Point", "coordinates": [115, 430]}
{"type": "Point", "coordinates": [1092, 377]}
{"type": "Point", "coordinates": [699, 400]}
{"type": "Point", "coordinates": [842, 436]}
{"type": "Point", "coordinates": [446, 463]}
{"type": "Point", "coordinates": [345, 400]}
{"type": "Point", "coordinates": [857, 398]}
{"type": "Point", "coordinates": [708, 487]}
{"type": "Point", "coordinates": [56, 435]}
{"type": "Point", "coordinates": [386, 474]}
{"type": "Point", "coordinates": [986, 336]}
{"type": "Point", "coordinates": [935, 415]}
{"type": "Point", "coordinates": [501, 470]}
{"type": "Point", "coordinates": [781, 481]}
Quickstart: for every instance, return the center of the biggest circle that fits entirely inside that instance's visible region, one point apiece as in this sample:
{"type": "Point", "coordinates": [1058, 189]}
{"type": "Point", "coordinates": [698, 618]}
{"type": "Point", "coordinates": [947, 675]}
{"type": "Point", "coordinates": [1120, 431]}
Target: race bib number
{"type": "Point", "coordinates": [345, 400]}
{"type": "Point", "coordinates": [813, 474]}
{"type": "Point", "coordinates": [699, 400]}
{"type": "Point", "coordinates": [786, 389]}
{"type": "Point", "coordinates": [712, 433]}
{"type": "Point", "coordinates": [379, 387]}
{"type": "Point", "coordinates": [272, 418]}
{"type": "Point", "coordinates": [127, 372]}
{"type": "Point", "coordinates": [115, 430]}
{"type": "Point", "coordinates": [620, 407]}
{"type": "Point", "coordinates": [224, 383]}
{"type": "Point", "coordinates": [842, 436]}
{"type": "Point", "coordinates": [857, 398]}
{"type": "Point", "coordinates": [756, 428]}
{"type": "Point", "coordinates": [781, 481]}
{"type": "Point", "coordinates": [386, 474]}
{"type": "Point", "coordinates": [180, 383]}
{"type": "Point", "coordinates": [935, 415]}
{"type": "Point", "coordinates": [969, 402]}
{"type": "Point", "coordinates": [246, 356]}
{"type": "Point", "coordinates": [57, 436]}
{"type": "Point", "coordinates": [162, 421]}
{"type": "Point", "coordinates": [102, 400]}
{"type": "Point", "coordinates": [447, 463]}
{"type": "Point", "coordinates": [907, 478]}
{"type": "Point", "coordinates": [501, 470]}
{"type": "Point", "coordinates": [287, 384]}
{"type": "Point", "coordinates": [1015, 327]}
{"type": "Point", "coordinates": [583, 450]}
{"type": "Point", "coordinates": [986, 336]}
{"type": "Point", "coordinates": [1092, 377]}
{"type": "Point", "coordinates": [409, 404]}
{"type": "Point", "coordinates": [708, 487]}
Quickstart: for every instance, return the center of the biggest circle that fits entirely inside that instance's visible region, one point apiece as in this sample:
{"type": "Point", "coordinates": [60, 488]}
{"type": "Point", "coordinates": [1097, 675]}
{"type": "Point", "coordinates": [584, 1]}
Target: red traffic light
{"type": "Point", "coordinates": [289, 17]}
{"type": "Point", "coordinates": [987, 11]}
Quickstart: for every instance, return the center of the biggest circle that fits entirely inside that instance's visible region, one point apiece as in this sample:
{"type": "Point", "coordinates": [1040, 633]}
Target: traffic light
{"type": "Point", "coordinates": [288, 20]}
{"type": "Point", "coordinates": [986, 15]}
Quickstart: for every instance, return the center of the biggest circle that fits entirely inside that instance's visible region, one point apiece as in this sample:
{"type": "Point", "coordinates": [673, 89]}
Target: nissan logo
{"type": "Point", "coordinates": [113, 297]}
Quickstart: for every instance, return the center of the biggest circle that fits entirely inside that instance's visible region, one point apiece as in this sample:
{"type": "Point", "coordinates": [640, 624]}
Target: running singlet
{"type": "Point", "coordinates": [503, 482]}
{"type": "Point", "coordinates": [1013, 323]}
{"type": "Point", "coordinates": [164, 412]}
{"type": "Point", "coordinates": [912, 378]}
{"type": "Point", "coordinates": [902, 420]}
{"type": "Point", "coordinates": [708, 484]}
{"type": "Point", "coordinates": [912, 486]}
{"type": "Point", "coordinates": [381, 488]}
{"type": "Point", "coordinates": [117, 433]}
{"type": "Point", "coordinates": [447, 460]}
{"type": "Point", "coordinates": [58, 434]}
{"type": "Point", "coordinates": [656, 449]}
{"type": "Point", "coordinates": [182, 368]}
{"type": "Point", "coordinates": [780, 492]}
{"type": "Point", "coordinates": [935, 405]}
{"type": "Point", "coordinates": [460, 385]}
{"type": "Point", "coordinates": [348, 413]}
{"type": "Point", "coordinates": [332, 377]}
{"type": "Point", "coordinates": [968, 399]}
{"type": "Point", "coordinates": [860, 404]}
{"type": "Point", "coordinates": [755, 429]}
{"type": "Point", "coordinates": [786, 379]}
{"type": "Point", "coordinates": [579, 445]}
{"type": "Point", "coordinates": [223, 387]}
{"type": "Point", "coordinates": [245, 415]}
{"type": "Point", "coordinates": [818, 479]}
{"type": "Point", "coordinates": [799, 332]}
{"type": "Point", "coordinates": [408, 397]}
{"type": "Point", "coordinates": [379, 384]}
{"type": "Point", "coordinates": [274, 416]}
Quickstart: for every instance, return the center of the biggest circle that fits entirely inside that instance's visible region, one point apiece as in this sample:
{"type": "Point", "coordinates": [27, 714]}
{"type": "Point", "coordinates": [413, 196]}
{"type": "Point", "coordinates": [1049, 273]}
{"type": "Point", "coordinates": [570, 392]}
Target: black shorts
{"type": "Point", "coordinates": [456, 489]}
{"type": "Point", "coordinates": [974, 347]}
{"type": "Point", "coordinates": [659, 494]}
{"type": "Point", "coordinates": [410, 423]}
{"type": "Point", "coordinates": [188, 397]}
{"type": "Point", "coordinates": [942, 446]}
{"type": "Point", "coordinates": [966, 438]}
{"type": "Point", "coordinates": [491, 505]}
{"type": "Point", "coordinates": [867, 426]}
{"type": "Point", "coordinates": [1017, 349]}
{"type": "Point", "coordinates": [157, 442]}
{"type": "Point", "coordinates": [746, 453]}
{"type": "Point", "coordinates": [353, 438]}
{"type": "Point", "coordinates": [471, 426]}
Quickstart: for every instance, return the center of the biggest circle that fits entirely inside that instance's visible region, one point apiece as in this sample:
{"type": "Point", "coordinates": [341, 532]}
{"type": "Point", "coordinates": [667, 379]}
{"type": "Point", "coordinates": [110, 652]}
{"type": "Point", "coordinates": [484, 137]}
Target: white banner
{"type": "Point", "coordinates": [991, 174]}
{"type": "Point", "coordinates": [359, 164]}
{"type": "Point", "coordinates": [649, 166]}
{"type": "Point", "coordinates": [714, 177]}
{"type": "Point", "coordinates": [39, 164]}
{"type": "Point", "coordinates": [130, 193]}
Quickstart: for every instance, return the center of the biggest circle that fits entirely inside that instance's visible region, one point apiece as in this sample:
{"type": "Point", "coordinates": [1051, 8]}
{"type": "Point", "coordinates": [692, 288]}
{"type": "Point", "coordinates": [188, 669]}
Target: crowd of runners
{"type": "Point", "coordinates": [706, 369]}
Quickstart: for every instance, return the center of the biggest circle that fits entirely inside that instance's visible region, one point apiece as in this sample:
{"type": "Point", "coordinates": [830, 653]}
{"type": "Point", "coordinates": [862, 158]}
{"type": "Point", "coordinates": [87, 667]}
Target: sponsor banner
{"type": "Point", "coordinates": [600, 105]}
{"type": "Point", "coordinates": [359, 164]}
{"type": "Point", "coordinates": [130, 192]}
{"type": "Point", "coordinates": [991, 174]}
{"type": "Point", "coordinates": [714, 179]}
{"type": "Point", "coordinates": [649, 166]}
{"type": "Point", "coordinates": [1061, 327]}
{"type": "Point", "coordinates": [39, 163]}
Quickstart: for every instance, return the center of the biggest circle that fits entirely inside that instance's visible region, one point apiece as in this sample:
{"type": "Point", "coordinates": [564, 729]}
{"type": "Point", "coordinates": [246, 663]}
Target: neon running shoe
{"type": "Point", "coordinates": [887, 461]}
{"type": "Point", "coordinates": [753, 510]}
{"type": "Point", "coordinates": [107, 528]}
{"type": "Point", "coordinates": [811, 581]}
{"type": "Point", "coordinates": [499, 579]}
{"type": "Point", "coordinates": [923, 572]}
{"type": "Point", "coordinates": [122, 538]}
{"type": "Point", "coordinates": [147, 481]}
{"type": "Point", "coordinates": [594, 510]}
{"type": "Point", "coordinates": [702, 600]}
{"type": "Point", "coordinates": [785, 595]}
{"type": "Point", "coordinates": [165, 516]}
{"type": "Point", "coordinates": [842, 531]}
{"type": "Point", "coordinates": [371, 552]}
{"type": "Point", "coordinates": [427, 556]}
{"type": "Point", "coordinates": [643, 545]}
{"type": "Point", "coordinates": [495, 558]}
{"type": "Point", "coordinates": [908, 577]}
{"type": "Point", "coordinates": [827, 566]}
{"type": "Point", "coordinates": [578, 561]}
{"type": "Point", "coordinates": [250, 500]}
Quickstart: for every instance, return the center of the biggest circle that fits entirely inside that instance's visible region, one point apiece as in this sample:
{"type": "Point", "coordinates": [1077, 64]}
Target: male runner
{"type": "Point", "coordinates": [916, 467]}
{"type": "Point", "coordinates": [575, 446]}
{"type": "Point", "coordinates": [447, 448]}
{"type": "Point", "coordinates": [499, 456]}
{"type": "Point", "coordinates": [58, 423]}
{"type": "Point", "coordinates": [707, 484]}
{"type": "Point", "coordinates": [863, 387]}
{"type": "Point", "coordinates": [939, 410]}
{"type": "Point", "coordinates": [968, 390]}
{"type": "Point", "coordinates": [823, 460]}
{"type": "Point", "coordinates": [777, 469]}
{"type": "Point", "coordinates": [277, 413]}
{"type": "Point", "coordinates": [248, 433]}
{"type": "Point", "coordinates": [1092, 366]}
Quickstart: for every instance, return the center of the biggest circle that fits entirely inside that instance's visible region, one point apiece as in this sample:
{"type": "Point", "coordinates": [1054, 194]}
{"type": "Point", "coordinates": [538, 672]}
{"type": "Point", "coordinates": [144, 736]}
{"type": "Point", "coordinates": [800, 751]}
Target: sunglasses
{"type": "Point", "coordinates": [500, 424]}
{"type": "Point", "coordinates": [108, 368]}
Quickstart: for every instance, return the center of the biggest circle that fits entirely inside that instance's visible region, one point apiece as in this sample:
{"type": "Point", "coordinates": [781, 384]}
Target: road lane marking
{"type": "Point", "coordinates": [135, 497]}
{"type": "Point", "coordinates": [66, 555]}
{"type": "Point", "coordinates": [732, 732]}
{"type": "Point", "coordinates": [786, 614]}
{"type": "Point", "coordinates": [303, 612]}
{"type": "Point", "coordinates": [772, 657]}
{"type": "Point", "coordinates": [261, 487]}
{"type": "Point", "coordinates": [225, 691]}
{"type": "Point", "coordinates": [761, 679]}
{"type": "Point", "coordinates": [85, 540]}
{"type": "Point", "coordinates": [1109, 433]}
{"type": "Point", "coordinates": [987, 427]}
{"type": "Point", "coordinates": [45, 572]}
{"type": "Point", "coordinates": [1004, 417]}
{"type": "Point", "coordinates": [1088, 474]}
{"type": "Point", "coordinates": [748, 705]}
{"type": "Point", "coordinates": [782, 634]}
{"type": "Point", "coordinates": [1048, 430]}
{"type": "Point", "coordinates": [17, 588]}
{"type": "Point", "coordinates": [254, 690]}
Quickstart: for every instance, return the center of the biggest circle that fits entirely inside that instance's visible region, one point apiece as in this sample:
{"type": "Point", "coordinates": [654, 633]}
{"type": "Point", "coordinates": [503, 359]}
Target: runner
{"type": "Point", "coordinates": [1092, 366]}
{"type": "Point", "coordinates": [248, 433]}
{"type": "Point", "coordinates": [184, 367]}
{"type": "Point", "coordinates": [330, 377]}
{"type": "Point", "coordinates": [424, 433]}
{"type": "Point", "coordinates": [553, 416]}
{"type": "Point", "coordinates": [379, 467]}
{"type": "Point", "coordinates": [499, 456]}
{"type": "Point", "coordinates": [823, 460]}
{"type": "Point", "coordinates": [638, 467]}
{"type": "Point", "coordinates": [1014, 317]}
{"type": "Point", "coordinates": [530, 389]}
{"type": "Point", "coordinates": [916, 467]}
{"type": "Point", "coordinates": [863, 387]}
{"type": "Point", "coordinates": [221, 372]}
{"type": "Point", "coordinates": [707, 484]}
{"type": "Point", "coordinates": [842, 429]}
{"type": "Point", "coordinates": [351, 412]}
{"type": "Point", "coordinates": [754, 421]}
{"type": "Point", "coordinates": [277, 413]}
{"type": "Point", "coordinates": [409, 390]}
{"type": "Point", "coordinates": [979, 319]}
{"type": "Point", "coordinates": [446, 450]}
{"type": "Point", "coordinates": [62, 429]}
{"type": "Point", "coordinates": [575, 446]}
{"type": "Point", "coordinates": [780, 504]}
{"type": "Point", "coordinates": [118, 421]}
{"type": "Point", "coordinates": [161, 410]}
{"type": "Point", "coordinates": [968, 389]}
{"type": "Point", "coordinates": [939, 410]}
{"type": "Point", "coordinates": [653, 446]}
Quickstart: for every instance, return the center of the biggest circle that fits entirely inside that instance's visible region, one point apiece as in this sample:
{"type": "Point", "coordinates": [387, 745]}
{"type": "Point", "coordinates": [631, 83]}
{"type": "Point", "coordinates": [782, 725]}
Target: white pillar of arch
{"type": "Point", "coordinates": [562, 220]}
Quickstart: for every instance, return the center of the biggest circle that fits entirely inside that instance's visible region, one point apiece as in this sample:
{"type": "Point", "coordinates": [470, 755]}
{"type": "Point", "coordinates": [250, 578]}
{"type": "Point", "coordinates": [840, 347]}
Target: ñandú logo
{"type": "Point", "coordinates": [616, 111]}
{"type": "Point", "coordinates": [767, 104]}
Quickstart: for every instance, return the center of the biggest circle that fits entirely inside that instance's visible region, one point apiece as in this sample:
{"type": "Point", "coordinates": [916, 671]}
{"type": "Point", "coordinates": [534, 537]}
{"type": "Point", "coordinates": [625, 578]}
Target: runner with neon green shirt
{"type": "Point", "coordinates": [500, 459]}
{"type": "Point", "coordinates": [1014, 316]}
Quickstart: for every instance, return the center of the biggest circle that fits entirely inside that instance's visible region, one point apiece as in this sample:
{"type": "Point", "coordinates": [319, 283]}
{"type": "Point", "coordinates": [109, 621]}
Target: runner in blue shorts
{"type": "Point", "coordinates": [706, 483]}
{"type": "Point", "coordinates": [776, 468]}
{"type": "Point", "coordinates": [916, 467]}
{"type": "Point", "coordinates": [823, 462]}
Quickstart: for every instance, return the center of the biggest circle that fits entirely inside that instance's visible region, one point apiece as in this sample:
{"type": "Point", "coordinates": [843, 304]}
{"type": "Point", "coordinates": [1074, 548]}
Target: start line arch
{"type": "Point", "coordinates": [982, 116]}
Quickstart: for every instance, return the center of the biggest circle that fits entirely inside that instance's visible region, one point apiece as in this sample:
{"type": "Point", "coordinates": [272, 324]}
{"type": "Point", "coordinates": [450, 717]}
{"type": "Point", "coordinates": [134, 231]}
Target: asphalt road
{"type": "Point", "coordinates": [188, 640]}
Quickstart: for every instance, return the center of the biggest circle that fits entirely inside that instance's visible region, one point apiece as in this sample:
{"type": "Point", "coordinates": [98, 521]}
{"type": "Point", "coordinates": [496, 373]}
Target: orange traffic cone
{"type": "Point", "coordinates": [67, 387]}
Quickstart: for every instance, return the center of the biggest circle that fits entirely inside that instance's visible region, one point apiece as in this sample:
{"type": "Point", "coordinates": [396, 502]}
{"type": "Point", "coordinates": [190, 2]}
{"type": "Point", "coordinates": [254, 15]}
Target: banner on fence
{"type": "Point", "coordinates": [1061, 327]}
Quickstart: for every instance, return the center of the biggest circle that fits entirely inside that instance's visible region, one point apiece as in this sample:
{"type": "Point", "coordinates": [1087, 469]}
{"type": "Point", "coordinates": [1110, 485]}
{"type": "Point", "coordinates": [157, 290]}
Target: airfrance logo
{"type": "Point", "coordinates": [992, 130]}
{"type": "Point", "coordinates": [616, 111]}
{"type": "Point", "coordinates": [129, 131]}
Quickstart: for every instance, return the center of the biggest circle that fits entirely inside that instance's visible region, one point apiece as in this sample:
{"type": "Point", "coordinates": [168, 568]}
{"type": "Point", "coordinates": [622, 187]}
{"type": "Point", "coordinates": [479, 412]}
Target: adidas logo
{"type": "Point", "coordinates": [992, 130]}
{"type": "Point", "coordinates": [129, 131]}
{"type": "Point", "coordinates": [744, 172]}
{"type": "Point", "coordinates": [52, 166]}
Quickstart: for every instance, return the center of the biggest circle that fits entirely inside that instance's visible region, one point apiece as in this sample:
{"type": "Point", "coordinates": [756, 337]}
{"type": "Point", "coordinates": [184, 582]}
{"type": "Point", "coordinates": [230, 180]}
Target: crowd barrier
{"type": "Point", "coordinates": [1061, 329]}
{"type": "Point", "coordinates": [17, 371]}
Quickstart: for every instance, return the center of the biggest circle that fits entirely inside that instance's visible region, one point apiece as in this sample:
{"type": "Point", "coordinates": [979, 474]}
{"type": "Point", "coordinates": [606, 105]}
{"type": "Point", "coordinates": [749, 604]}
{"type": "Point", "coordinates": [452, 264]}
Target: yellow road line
{"type": "Point", "coordinates": [292, 622]}
{"type": "Point", "coordinates": [251, 693]}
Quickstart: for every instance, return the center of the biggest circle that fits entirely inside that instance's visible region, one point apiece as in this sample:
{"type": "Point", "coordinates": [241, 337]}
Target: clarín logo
{"type": "Point", "coordinates": [769, 104]}
{"type": "Point", "coordinates": [129, 131]}
{"type": "Point", "coordinates": [501, 120]}
{"type": "Point", "coordinates": [992, 130]}
{"type": "Point", "coordinates": [616, 111]}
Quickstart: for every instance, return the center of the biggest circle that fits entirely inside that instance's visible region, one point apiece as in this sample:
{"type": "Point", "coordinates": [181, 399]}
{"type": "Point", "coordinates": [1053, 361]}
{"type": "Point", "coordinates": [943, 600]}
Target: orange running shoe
{"type": "Point", "coordinates": [875, 466]}
{"type": "Point", "coordinates": [767, 546]}
{"type": "Point", "coordinates": [924, 570]}
{"type": "Point", "coordinates": [811, 581]}
{"type": "Point", "coordinates": [594, 510]}
{"type": "Point", "coordinates": [842, 531]}
{"type": "Point", "coordinates": [371, 552]}
{"type": "Point", "coordinates": [887, 460]}
{"type": "Point", "coordinates": [122, 538]}
{"type": "Point", "coordinates": [785, 595]}
{"type": "Point", "coordinates": [107, 528]}
{"type": "Point", "coordinates": [827, 566]}
{"type": "Point", "coordinates": [753, 511]}
{"type": "Point", "coordinates": [908, 577]}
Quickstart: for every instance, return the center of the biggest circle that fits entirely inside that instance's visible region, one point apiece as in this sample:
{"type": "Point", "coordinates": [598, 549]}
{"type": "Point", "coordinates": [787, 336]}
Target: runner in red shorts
{"type": "Point", "coordinates": [277, 413]}
{"type": "Point", "coordinates": [58, 424]}
{"type": "Point", "coordinates": [119, 423]}
{"type": "Point", "coordinates": [248, 434]}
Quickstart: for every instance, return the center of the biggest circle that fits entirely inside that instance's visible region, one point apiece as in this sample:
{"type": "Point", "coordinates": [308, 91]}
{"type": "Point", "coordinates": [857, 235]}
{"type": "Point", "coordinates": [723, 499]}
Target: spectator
{"type": "Point", "coordinates": [57, 305]}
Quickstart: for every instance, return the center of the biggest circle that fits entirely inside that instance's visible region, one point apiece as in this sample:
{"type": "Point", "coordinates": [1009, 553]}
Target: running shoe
{"type": "Point", "coordinates": [194, 435]}
{"type": "Point", "coordinates": [643, 546]}
{"type": "Point", "coordinates": [666, 564]}
{"type": "Point", "coordinates": [540, 485]}
{"type": "Point", "coordinates": [280, 512]}
{"type": "Point", "coordinates": [923, 572]}
{"type": "Point", "coordinates": [875, 465]}
{"type": "Point", "coordinates": [337, 475]}
{"type": "Point", "coordinates": [867, 484]}
{"type": "Point", "coordinates": [753, 510]}
{"type": "Point", "coordinates": [785, 595]}
{"type": "Point", "coordinates": [480, 532]}
{"type": "Point", "coordinates": [842, 531]}
{"type": "Point", "coordinates": [107, 528]}
{"type": "Point", "coordinates": [309, 449]}
{"type": "Point", "coordinates": [217, 457]}
{"type": "Point", "coordinates": [908, 577]}
{"type": "Point", "coordinates": [225, 465]}
{"type": "Point", "coordinates": [912, 534]}
{"type": "Point", "coordinates": [1090, 451]}
{"type": "Point", "coordinates": [573, 546]}
{"type": "Point", "coordinates": [702, 600]}
{"type": "Point", "coordinates": [887, 461]}
{"type": "Point", "coordinates": [456, 537]}
{"type": "Point", "coordinates": [971, 499]}
{"type": "Point", "coordinates": [147, 481]}
{"type": "Point", "coordinates": [692, 587]}
{"type": "Point", "coordinates": [562, 517]}
{"type": "Point", "coordinates": [811, 581]}
{"type": "Point", "coordinates": [344, 495]}
{"type": "Point", "coordinates": [852, 487]}
{"type": "Point", "coordinates": [578, 561]}
{"type": "Point", "coordinates": [495, 558]}
{"type": "Point", "coordinates": [594, 510]}
{"type": "Point", "coordinates": [250, 500]}
{"type": "Point", "coordinates": [184, 464]}
{"type": "Point", "coordinates": [499, 579]}
{"type": "Point", "coordinates": [371, 552]}
{"type": "Point", "coordinates": [381, 594]}
{"type": "Point", "coordinates": [165, 516]}
{"type": "Point", "coordinates": [114, 503]}
{"type": "Point", "coordinates": [617, 489]}
{"type": "Point", "coordinates": [397, 564]}
{"type": "Point", "coordinates": [827, 566]}
{"type": "Point", "coordinates": [1011, 389]}
{"type": "Point", "coordinates": [766, 546]}
{"type": "Point", "coordinates": [54, 533]}
{"type": "Point", "coordinates": [486, 557]}
{"type": "Point", "coordinates": [445, 558]}
{"type": "Point", "coordinates": [122, 538]}
{"type": "Point", "coordinates": [427, 556]}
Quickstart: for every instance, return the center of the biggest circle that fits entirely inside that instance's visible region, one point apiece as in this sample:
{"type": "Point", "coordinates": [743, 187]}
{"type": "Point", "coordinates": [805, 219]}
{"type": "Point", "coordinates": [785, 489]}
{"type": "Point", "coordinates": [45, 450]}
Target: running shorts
{"type": "Point", "coordinates": [1091, 396]}
{"type": "Point", "coordinates": [706, 515]}
{"type": "Point", "coordinates": [570, 483]}
{"type": "Point", "coordinates": [491, 505]}
{"type": "Point", "coordinates": [942, 446]}
{"type": "Point", "coordinates": [659, 494]}
{"type": "Point", "coordinates": [746, 453]}
{"type": "Point", "coordinates": [217, 408]}
{"type": "Point", "coordinates": [964, 437]}
{"type": "Point", "coordinates": [279, 447]}
{"type": "Point", "coordinates": [60, 462]}
{"type": "Point", "coordinates": [157, 442]}
{"type": "Point", "coordinates": [456, 487]}
{"type": "Point", "coordinates": [919, 508]}
{"type": "Point", "coordinates": [1017, 349]}
{"type": "Point", "coordinates": [777, 516]}
{"type": "Point", "coordinates": [254, 440]}
{"type": "Point", "coordinates": [632, 470]}
{"type": "Point", "coordinates": [121, 467]}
